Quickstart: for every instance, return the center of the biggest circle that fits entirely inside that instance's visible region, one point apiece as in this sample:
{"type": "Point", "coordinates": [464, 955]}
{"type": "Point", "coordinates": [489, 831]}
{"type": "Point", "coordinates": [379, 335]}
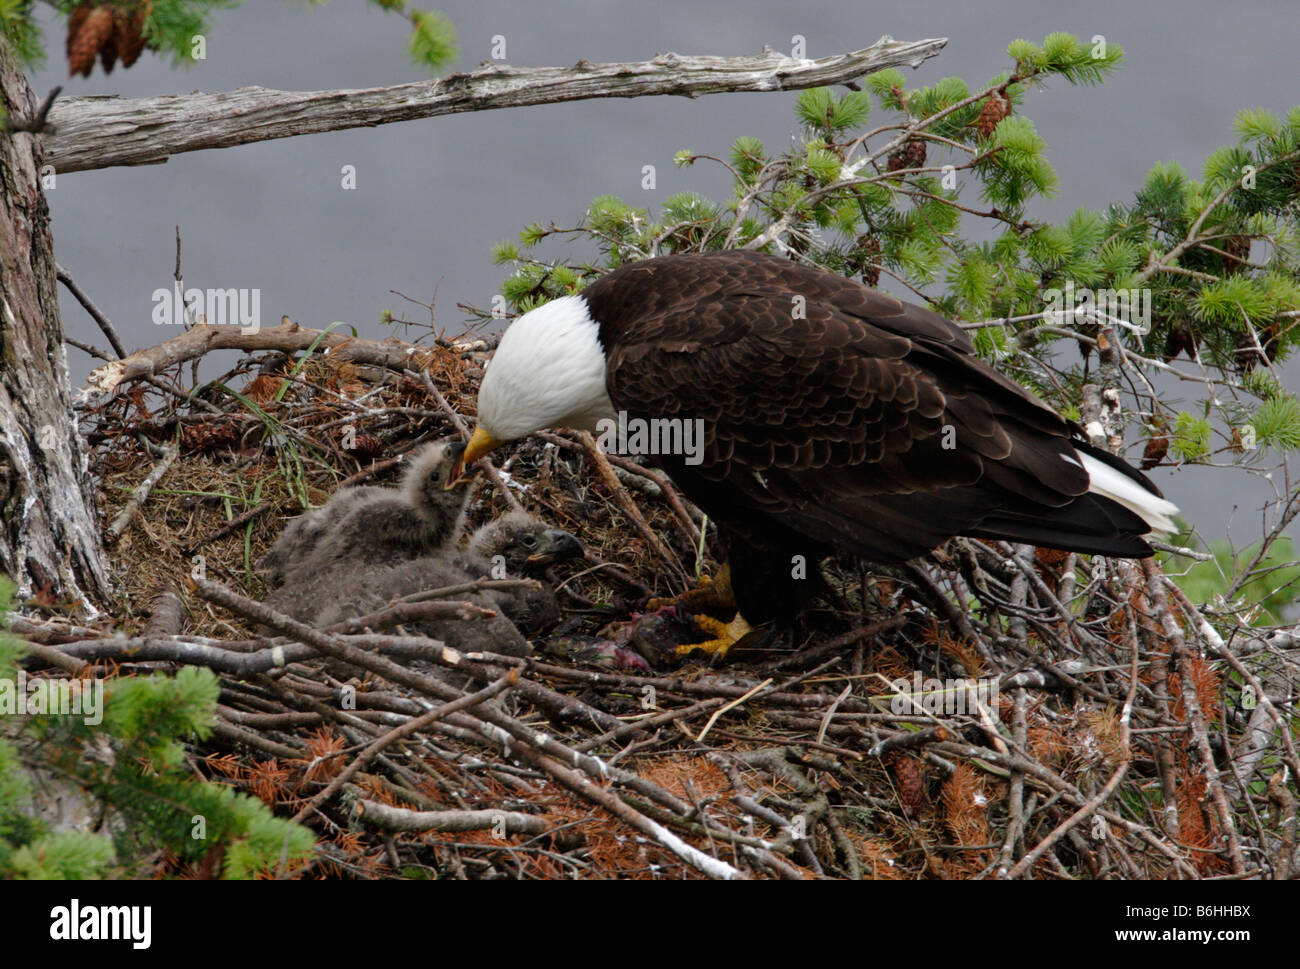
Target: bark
{"type": "Point", "coordinates": [103, 132]}
{"type": "Point", "coordinates": [106, 380]}
{"type": "Point", "coordinates": [49, 538]}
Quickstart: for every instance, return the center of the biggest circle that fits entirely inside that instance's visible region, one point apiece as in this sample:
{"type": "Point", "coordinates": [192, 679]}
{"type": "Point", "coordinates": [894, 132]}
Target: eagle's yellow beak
{"type": "Point", "coordinates": [481, 444]}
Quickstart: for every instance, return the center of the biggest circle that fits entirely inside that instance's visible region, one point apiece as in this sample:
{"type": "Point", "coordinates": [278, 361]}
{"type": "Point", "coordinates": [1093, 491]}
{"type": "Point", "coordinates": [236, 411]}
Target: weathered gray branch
{"type": "Point", "coordinates": [288, 337]}
{"type": "Point", "coordinates": [94, 133]}
{"type": "Point", "coordinates": [392, 818]}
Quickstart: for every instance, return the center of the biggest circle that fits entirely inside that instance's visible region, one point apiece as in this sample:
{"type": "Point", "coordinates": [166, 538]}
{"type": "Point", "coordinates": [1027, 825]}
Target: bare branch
{"type": "Point", "coordinates": [288, 337]}
{"type": "Point", "coordinates": [104, 132]}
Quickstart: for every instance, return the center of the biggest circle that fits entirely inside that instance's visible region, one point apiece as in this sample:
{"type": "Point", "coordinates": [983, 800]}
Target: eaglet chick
{"type": "Point", "coordinates": [367, 524]}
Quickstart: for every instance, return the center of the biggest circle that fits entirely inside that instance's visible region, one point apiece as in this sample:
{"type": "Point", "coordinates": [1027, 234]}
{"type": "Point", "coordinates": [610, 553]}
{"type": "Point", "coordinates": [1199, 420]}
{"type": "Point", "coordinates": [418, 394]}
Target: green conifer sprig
{"type": "Point", "coordinates": [895, 198]}
{"type": "Point", "coordinates": [171, 27]}
{"type": "Point", "coordinates": [132, 765]}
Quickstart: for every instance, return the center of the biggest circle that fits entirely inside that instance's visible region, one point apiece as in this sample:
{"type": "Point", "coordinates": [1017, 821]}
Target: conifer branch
{"type": "Point", "coordinates": [93, 133]}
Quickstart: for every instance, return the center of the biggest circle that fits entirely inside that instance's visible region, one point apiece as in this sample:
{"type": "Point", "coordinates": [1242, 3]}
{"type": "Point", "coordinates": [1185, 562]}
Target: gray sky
{"type": "Point", "coordinates": [434, 195]}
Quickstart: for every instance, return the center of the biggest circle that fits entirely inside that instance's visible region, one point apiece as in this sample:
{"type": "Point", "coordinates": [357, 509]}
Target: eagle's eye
{"type": "Point", "coordinates": [528, 541]}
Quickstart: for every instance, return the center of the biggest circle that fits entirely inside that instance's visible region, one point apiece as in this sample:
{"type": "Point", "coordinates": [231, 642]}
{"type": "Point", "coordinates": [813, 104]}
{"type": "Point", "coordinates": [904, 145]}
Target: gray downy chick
{"type": "Point", "coordinates": [370, 525]}
{"type": "Point", "coordinates": [294, 546]}
{"type": "Point", "coordinates": [521, 545]}
{"type": "Point", "coordinates": [346, 592]}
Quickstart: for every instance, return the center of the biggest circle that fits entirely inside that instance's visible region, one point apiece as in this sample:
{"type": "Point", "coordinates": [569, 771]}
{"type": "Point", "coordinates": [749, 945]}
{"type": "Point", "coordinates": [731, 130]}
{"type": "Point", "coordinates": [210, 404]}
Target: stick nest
{"type": "Point", "coordinates": [1128, 734]}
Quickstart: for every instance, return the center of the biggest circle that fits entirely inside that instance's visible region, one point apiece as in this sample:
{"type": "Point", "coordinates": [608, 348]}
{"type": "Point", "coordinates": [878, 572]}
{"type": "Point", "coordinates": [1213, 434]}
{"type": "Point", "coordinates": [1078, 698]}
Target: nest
{"type": "Point", "coordinates": [995, 711]}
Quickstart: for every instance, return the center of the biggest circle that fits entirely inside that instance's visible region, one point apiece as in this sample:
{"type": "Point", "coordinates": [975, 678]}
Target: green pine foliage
{"type": "Point", "coordinates": [872, 189]}
{"type": "Point", "coordinates": [1191, 437]}
{"type": "Point", "coordinates": [888, 184]}
{"type": "Point", "coordinates": [1277, 423]}
{"type": "Point", "coordinates": [171, 26]}
{"type": "Point", "coordinates": [133, 764]}
{"type": "Point", "coordinates": [20, 33]}
{"type": "Point", "coordinates": [433, 39]}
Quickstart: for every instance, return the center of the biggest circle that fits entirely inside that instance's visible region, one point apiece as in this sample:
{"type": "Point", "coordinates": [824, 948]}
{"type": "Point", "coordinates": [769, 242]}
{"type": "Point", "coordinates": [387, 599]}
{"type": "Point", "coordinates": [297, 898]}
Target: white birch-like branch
{"type": "Point", "coordinates": [90, 133]}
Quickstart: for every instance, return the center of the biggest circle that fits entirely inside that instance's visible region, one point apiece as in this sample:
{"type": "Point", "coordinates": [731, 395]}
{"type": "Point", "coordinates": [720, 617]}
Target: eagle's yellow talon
{"type": "Point", "coordinates": [709, 592]}
{"type": "Point", "coordinates": [726, 635]}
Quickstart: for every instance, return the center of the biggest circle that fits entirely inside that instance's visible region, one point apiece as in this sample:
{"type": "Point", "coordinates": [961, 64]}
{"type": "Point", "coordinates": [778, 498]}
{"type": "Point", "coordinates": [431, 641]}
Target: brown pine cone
{"type": "Point", "coordinates": [862, 259]}
{"type": "Point", "coordinates": [1157, 447]}
{"type": "Point", "coordinates": [96, 28]}
{"type": "Point", "coordinates": [108, 53]}
{"type": "Point", "coordinates": [128, 33]}
{"type": "Point", "coordinates": [75, 21]}
{"type": "Point", "coordinates": [1180, 339]}
{"type": "Point", "coordinates": [1237, 251]}
{"type": "Point", "coordinates": [914, 152]}
{"type": "Point", "coordinates": [995, 109]}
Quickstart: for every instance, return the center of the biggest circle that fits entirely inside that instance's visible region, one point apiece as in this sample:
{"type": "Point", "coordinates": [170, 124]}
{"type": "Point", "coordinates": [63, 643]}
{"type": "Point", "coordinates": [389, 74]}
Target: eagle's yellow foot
{"type": "Point", "coordinates": [709, 593]}
{"type": "Point", "coordinates": [726, 635]}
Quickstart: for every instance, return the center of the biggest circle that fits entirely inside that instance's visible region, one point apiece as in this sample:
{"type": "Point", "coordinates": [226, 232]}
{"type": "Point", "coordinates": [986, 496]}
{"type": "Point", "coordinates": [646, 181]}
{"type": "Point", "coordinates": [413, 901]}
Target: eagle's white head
{"type": "Point", "coordinates": [548, 371]}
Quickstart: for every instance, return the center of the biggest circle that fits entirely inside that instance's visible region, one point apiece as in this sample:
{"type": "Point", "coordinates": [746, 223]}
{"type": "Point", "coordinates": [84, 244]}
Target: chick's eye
{"type": "Point", "coordinates": [528, 541]}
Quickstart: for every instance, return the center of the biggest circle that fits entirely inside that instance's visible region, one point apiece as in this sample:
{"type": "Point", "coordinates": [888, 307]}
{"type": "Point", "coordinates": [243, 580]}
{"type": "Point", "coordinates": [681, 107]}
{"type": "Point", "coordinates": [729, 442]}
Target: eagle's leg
{"type": "Point", "coordinates": [726, 635]}
{"type": "Point", "coordinates": [710, 592]}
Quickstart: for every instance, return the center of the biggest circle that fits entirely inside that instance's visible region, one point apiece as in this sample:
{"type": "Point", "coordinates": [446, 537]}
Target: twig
{"type": "Point", "coordinates": [103, 321]}
{"type": "Point", "coordinates": [459, 424]}
{"type": "Point", "coordinates": [37, 124]}
{"type": "Point", "coordinates": [628, 505]}
{"type": "Point", "coordinates": [390, 818]}
{"type": "Point", "coordinates": [141, 493]}
{"type": "Point", "coordinates": [405, 730]}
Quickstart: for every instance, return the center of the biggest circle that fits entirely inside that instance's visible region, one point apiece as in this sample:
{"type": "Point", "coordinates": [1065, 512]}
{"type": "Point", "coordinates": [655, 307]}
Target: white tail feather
{"type": "Point", "coordinates": [1119, 487]}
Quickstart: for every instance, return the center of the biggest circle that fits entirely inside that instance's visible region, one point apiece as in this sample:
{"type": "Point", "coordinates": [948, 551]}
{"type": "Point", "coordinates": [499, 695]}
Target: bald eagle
{"type": "Point", "coordinates": [834, 417]}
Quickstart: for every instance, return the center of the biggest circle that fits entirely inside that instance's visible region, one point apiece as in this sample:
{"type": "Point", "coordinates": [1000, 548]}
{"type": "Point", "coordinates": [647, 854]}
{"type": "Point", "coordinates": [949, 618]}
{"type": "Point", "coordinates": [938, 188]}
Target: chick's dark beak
{"type": "Point", "coordinates": [556, 545]}
{"type": "Point", "coordinates": [480, 444]}
{"type": "Point", "coordinates": [456, 452]}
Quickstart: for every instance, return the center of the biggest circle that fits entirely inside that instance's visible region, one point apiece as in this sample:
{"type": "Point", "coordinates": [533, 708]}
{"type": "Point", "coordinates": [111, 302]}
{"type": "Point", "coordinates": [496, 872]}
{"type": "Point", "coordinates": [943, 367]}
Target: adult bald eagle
{"type": "Point", "coordinates": [834, 416]}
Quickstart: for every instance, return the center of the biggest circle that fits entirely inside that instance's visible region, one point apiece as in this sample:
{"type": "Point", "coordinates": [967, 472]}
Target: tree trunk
{"type": "Point", "coordinates": [49, 538]}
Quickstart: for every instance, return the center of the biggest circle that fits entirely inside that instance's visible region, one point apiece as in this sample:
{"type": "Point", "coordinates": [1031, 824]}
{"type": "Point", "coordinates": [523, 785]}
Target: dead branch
{"type": "Point", "coordinates": [391, 818]}
{"type": "Point", "coordinates": [405, 730]}
{"type": "Point", "coordinates": [203, 338]}
{"type": "Point", "coordinates": [628, 505]}
{"type": "Point", "coordinates": [141, 494]}
{"type": "Point", "coordinates": [93, 133]}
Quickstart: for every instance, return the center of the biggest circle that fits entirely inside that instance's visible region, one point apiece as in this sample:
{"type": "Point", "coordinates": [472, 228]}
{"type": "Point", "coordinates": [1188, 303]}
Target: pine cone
{"type": "Point", "coordinates": [908, 781]}
{"type": "Point", "coordinates": [1181, 339]}
{"type": "Point", "coordinates": [1268, 339]}
{"type": "Point", "coordinates": [1157, 446]}
{"type": "Point", "coordinates": [914, 152]}
{"type": "Point", "coordinates": [862, 259]}
{"type": "Point", "coordinates": [995, 109]}
{"type": "Point", "coordinates": [75, 21]}
{"type": "Point", "coordinates": [367, 446]}
{"type": "Point", "coordinates": [1237, 249]}
{"type": "Point", "coordinates": [1105, 350]}
{"type": "Point", "coordinates": [128, 33]}
{"type": "Point", "coordinates": [96, 27]}
{"type": "Point", "coordinates": [108, 51]}
{"type": "Point", "coordinates": [897, 160]}
{"type": "Point", "coordinates": [1248, 356]}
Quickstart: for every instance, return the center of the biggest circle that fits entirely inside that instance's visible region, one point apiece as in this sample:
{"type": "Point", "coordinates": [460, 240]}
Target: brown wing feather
{"type": "Point", "coordinates": [867, 423]}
